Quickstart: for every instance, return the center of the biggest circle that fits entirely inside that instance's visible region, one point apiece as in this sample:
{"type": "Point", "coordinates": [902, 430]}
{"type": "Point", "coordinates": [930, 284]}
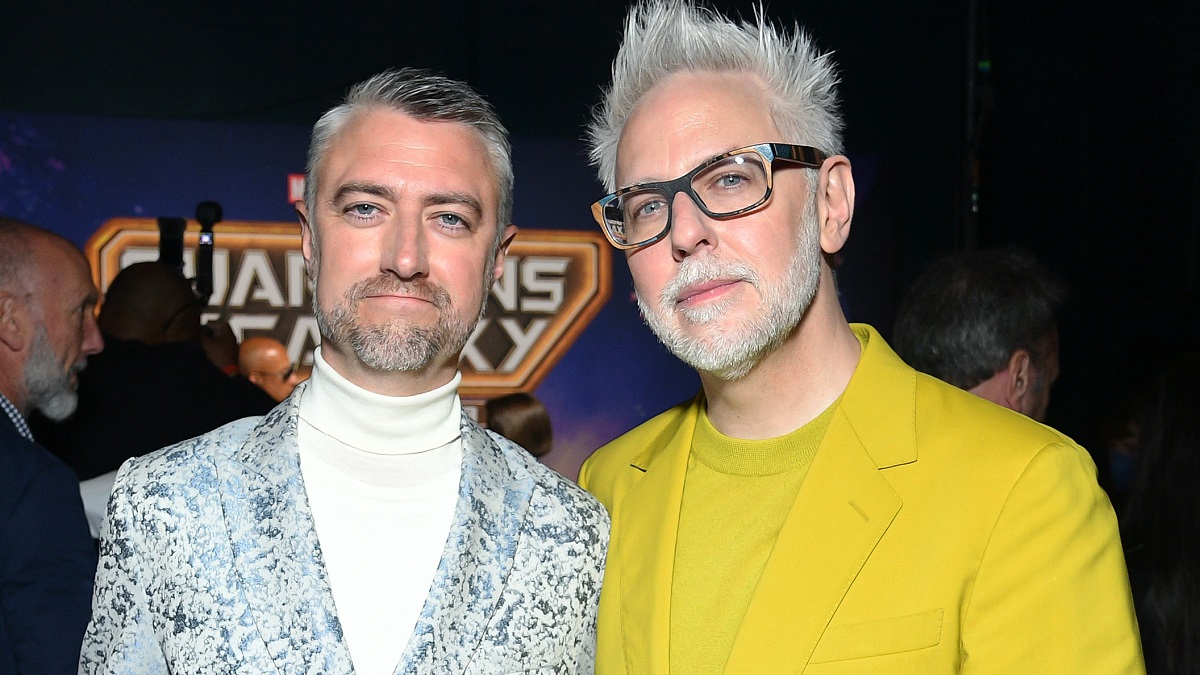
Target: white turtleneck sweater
{"type": "Point", "coordinates": [381, 473]}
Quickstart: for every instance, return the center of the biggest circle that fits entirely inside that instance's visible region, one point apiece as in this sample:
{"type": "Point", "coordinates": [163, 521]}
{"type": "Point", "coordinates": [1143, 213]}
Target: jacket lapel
{"type": "Point", "coordinates": [843, 509]}
{"type": "Point", "coordinates": [649, 519]}
{"type": "Point", "coordinates": [276, 555]}
{"type": "Point", "coordinates": [493, 498]}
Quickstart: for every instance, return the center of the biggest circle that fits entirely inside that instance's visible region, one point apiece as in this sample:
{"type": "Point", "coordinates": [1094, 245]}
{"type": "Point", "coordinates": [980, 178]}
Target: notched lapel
{"type": "Point", "coordinates": [493, 498]}
{"type": "Point", "coordinates": [841, 512]}
{"type": "Point", "coordinates": [276, 553]}
{"type": "Point", "coordinates": [648, 527]}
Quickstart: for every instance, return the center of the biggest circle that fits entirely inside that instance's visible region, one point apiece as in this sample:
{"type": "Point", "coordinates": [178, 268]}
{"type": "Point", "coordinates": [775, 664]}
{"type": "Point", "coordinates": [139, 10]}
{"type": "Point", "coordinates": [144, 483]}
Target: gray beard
{"type": "Point", "coordinates": [397, 345]}
{"type": "Point", "coordinates": [731, 352]}
{"type": "Point", "coordinates": [48, 387]}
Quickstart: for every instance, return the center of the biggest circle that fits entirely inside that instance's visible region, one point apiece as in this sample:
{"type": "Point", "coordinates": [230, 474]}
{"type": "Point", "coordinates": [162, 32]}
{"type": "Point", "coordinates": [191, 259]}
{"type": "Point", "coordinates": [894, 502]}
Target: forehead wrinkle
{"type": "Point", "coordinates": [695, 124]}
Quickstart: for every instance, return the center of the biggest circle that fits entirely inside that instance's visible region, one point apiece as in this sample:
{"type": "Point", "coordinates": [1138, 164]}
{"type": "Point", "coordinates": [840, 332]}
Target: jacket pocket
{"type": "Point", "coordinates": [892, 635]}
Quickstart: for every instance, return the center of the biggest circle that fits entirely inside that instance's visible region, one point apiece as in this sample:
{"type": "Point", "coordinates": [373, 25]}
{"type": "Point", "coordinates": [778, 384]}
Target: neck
{"type": "Point", "coordinates": [376, 423]}
{"type": "Point", "coordinates": [12, 386]}
{"type": "Point", "coordinates": [405, 383]}
{"type": "Point", "coordinates": [794, 384]}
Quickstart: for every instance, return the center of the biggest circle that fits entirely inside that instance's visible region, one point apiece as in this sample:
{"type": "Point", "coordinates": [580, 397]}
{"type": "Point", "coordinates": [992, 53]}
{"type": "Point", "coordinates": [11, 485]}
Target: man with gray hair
{"type": "Point", "coordinates": [47, 561]}
{"type": "Point", "coordinates": [984, 322]}
{"type": "Point", "coordinates": [366, 524]}
{"type": "Point", "coordinates": [819, 506]}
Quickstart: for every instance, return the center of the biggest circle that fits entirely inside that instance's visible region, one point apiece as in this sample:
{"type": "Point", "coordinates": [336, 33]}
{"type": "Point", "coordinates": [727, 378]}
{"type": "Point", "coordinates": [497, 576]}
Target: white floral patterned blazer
{"type": "Point", "coordinates": [210, 564]}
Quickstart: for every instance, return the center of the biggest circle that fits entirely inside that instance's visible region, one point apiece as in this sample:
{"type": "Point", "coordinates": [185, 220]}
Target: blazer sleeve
{"type": "Point", "coordinates": [1052, 593]}
{"type": "Point", "coordinates": [121, 636]}
{"type": "Point", "coordinates": [46, 586]}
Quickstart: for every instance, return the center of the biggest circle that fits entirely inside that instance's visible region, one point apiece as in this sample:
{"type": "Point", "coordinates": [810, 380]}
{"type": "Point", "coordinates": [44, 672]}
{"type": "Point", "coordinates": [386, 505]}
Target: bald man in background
{"type": "Point", "coordinates": [264, 361]}
{"type": "Point", "coordinates": [47, 332]}
{"type": "Point", "coordinates": [154, 385]}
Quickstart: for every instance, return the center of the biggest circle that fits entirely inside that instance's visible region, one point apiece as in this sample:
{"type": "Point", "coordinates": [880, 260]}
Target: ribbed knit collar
{"type": "Point", "coordinates": [764, 457]}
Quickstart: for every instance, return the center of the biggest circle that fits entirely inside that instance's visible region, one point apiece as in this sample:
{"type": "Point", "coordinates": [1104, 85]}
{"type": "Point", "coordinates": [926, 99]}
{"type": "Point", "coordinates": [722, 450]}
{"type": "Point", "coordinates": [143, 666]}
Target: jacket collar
{"type": "Point", "coordinates": [843, 509]}
{"type": "Point", "coordinates": [494, 495]}
{"type": "Point", "coordinates": [279, 557]}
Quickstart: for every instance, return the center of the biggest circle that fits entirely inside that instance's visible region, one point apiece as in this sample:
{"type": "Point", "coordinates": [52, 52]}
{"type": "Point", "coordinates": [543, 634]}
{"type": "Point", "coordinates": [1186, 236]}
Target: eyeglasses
{"type": "Point", "coordinates": [727, 185]}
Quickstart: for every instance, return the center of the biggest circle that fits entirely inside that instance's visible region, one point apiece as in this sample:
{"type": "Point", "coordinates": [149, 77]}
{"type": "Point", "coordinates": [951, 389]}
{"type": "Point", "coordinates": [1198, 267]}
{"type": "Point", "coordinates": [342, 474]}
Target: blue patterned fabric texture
{"type": "Point", "coordinates": [210, 563]}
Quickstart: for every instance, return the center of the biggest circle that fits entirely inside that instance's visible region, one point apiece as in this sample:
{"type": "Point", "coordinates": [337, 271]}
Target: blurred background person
{"type": "Point", "coordinates": [264, 361]}
{"type": "Point", "coordinates": [1162, 520]}
{"type": "Point", "coordinates": [522, 419]}
{"type": "Point", "coordinates": [985, 322]}
{"type": "Point", "coordinates": [155, 384]}
{"type": "Point", "coordinates": [47, 332]}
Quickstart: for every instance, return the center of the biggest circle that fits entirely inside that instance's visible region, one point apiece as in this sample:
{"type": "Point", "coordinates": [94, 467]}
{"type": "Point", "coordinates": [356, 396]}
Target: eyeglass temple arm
{"type": "Point", "coordinates": [801, 154]}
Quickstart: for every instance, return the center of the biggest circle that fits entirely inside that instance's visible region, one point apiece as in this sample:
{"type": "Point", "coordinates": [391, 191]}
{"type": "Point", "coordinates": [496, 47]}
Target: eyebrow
{"type": "Point", "coordinates": [701, 160]}
{"type": "Point", "coordinates": [384, 192]}
{"type": "Point", "coordinates": [374, 189]}
{"type": "Point", "coordinates": [460, 198]}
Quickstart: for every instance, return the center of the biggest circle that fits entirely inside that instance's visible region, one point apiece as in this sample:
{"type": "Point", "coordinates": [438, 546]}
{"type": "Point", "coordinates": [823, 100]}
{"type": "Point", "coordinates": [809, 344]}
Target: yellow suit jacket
{"type": "Point", "coordinates": [935, 533]}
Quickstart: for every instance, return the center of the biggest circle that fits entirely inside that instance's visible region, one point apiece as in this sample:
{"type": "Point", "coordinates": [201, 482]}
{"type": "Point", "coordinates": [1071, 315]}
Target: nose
{"type": "Point", "coordinates": [93, 341]}
{"type": "Point", "coordinates": [691, 230]}
{"type": "Point", "coordinates": [405, 254]}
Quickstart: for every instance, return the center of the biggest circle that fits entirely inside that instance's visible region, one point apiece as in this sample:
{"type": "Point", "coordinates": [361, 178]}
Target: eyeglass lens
{"type": "Point", "coordinates": [725, 187]}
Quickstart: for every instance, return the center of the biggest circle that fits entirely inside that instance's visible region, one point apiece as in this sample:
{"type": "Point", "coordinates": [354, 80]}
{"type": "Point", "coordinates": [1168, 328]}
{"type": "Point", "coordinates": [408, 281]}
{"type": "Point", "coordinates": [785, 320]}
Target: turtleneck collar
{"type": "Point", "coordinates": [379, 424]}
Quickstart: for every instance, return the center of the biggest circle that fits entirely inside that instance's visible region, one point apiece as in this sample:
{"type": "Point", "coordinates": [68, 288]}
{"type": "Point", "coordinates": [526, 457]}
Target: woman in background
{"type": "Point", "coordinates": [522, 419]}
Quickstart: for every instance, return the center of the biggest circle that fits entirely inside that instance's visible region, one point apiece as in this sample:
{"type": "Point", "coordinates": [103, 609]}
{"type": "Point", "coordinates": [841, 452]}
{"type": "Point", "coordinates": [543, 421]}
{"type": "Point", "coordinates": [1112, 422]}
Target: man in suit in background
{"type": "Point", "coordinates": [365, 524]}
{"type": "Point", "coordinates": [820, 506]}
{"type": "Point", "coordinates": [154, 385]}
{"type": "Point", "coordinates": [984, 321]}
{"type": "Point", "coordinates": [47, 561]}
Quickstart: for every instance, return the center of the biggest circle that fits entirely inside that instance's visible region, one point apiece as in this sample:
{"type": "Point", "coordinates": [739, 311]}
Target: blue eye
{"type": "Point", "coordinates": [452, 221]}
{"type": "Point", "coordinates": [364, 209]}
{"type": "Point", "coordinates": [650, 208]}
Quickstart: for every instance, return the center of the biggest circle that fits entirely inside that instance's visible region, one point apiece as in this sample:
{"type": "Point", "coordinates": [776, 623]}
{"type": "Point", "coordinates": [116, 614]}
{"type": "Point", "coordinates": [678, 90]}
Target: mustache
{"type": "Point", "coordinates": [699, 270]}
{"type": "Point", "coordinates": [385, 284]}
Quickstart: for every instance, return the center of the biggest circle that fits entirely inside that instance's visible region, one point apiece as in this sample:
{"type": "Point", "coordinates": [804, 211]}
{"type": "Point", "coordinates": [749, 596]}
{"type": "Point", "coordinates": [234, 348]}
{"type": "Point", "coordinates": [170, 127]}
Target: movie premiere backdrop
{"type": "Point", "coordinates": [562, 323]}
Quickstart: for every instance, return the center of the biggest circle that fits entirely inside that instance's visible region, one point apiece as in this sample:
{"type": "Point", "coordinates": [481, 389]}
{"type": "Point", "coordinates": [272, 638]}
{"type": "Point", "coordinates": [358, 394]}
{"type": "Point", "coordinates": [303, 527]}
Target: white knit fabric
{"type": "Point", "coordinates": [382, 474]}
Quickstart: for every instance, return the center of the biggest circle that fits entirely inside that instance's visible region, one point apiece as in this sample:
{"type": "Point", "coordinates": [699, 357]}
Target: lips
{"type": "Point", "coordinates": [384, 287]}
{"type": "Point", "coordinates": [701, 278]}
{"type": "Point", "coordinates": [702, 291]}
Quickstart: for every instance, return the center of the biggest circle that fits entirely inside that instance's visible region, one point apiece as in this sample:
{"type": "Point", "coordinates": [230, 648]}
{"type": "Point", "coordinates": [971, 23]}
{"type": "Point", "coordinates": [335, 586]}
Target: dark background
{"type": "Point", "coordinates": [1090, 150]}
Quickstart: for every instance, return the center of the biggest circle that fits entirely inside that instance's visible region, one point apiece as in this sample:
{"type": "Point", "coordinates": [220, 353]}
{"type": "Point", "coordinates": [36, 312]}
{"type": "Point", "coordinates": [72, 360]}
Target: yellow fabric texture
{"type": "Point", "coordinates": [736, 496]}
{"type": "Point", "coordinates": [934, 533]}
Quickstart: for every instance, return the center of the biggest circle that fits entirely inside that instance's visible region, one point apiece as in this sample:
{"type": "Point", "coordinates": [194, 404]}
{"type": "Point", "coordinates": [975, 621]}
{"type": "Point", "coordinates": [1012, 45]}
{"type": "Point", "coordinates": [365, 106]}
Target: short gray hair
{"type": "Point", "coordinates": [666, 37]}
{"type": "Point", "coordinates": [968, 312]}
{"type": "Point", "coordinates": [424, 96]}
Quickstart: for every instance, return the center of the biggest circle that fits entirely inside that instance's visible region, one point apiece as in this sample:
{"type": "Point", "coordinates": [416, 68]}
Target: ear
{"type": "Point", "coordinates": [835, 202]}
{"type": "Point", "coordinates": [16, 324]}
{"type": "Point", "coordinates": [501, 251]}
{"type": "Point", "coordinates": [306, 233]}
{"type": "Point", "coordinates": [1020, 380]}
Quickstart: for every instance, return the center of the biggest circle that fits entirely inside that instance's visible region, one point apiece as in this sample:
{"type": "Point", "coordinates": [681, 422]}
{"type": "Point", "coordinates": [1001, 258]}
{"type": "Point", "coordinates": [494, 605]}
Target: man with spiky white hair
{"type": "Point", "coordinates": [820, 506]}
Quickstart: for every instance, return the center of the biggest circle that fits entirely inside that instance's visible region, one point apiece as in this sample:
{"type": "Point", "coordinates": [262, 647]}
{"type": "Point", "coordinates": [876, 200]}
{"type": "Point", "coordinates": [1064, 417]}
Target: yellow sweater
{"type": "Point", "coordinates": [736, 496]}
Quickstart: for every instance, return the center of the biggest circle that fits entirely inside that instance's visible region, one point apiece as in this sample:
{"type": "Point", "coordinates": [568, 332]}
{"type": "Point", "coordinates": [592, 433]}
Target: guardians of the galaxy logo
{"type": "Point", "coordinates": [554, 283]}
